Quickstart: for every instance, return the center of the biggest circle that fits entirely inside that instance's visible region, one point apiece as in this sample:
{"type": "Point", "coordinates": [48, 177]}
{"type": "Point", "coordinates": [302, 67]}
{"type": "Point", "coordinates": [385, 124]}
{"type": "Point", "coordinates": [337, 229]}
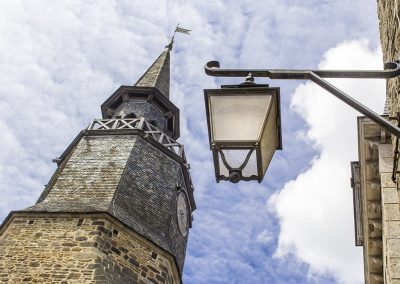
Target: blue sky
{"type": "Point", "coordinates": [61, 59]}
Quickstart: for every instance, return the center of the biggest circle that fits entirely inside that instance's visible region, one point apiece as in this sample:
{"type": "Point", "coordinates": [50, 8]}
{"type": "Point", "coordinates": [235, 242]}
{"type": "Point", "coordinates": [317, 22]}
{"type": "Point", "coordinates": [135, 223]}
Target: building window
{"type": "Point", "coordinates": [130, 115]}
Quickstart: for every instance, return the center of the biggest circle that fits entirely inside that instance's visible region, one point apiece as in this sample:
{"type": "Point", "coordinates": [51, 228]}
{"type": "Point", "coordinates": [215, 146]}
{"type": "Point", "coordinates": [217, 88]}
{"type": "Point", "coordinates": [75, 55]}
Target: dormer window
{"type": "Point", "coordinates": [130, 115]}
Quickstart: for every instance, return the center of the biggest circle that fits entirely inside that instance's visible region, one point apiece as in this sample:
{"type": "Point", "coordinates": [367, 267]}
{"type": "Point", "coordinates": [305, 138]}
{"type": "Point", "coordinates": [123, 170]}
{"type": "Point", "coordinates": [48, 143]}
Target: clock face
{"type": "Point", "coordinates": [182, 213]}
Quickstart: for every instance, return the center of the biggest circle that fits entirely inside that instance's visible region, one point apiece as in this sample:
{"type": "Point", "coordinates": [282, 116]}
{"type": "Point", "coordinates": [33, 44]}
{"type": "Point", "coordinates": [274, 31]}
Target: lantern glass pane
{"type": "Point", "coordinates": [270, 137]}
{"type": "Point", "coordinates": [235, 158]}
{"type": "Point", "coordinates": [238, 118]}
{"type": "Point", "coordinates": [251, 168]}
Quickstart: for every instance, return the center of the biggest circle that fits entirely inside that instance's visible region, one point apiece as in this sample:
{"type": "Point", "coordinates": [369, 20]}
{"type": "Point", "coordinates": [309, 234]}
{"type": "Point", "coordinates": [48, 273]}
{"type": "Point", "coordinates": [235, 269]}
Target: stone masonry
{"type": "Point", "coordinates": [79, 248]}
{"type": "Point", "coordinates": [389, 24]}
{"type": "Point", "coordinates": [390, 216]}
{"type": "Point", "coordinates": [369, 221]}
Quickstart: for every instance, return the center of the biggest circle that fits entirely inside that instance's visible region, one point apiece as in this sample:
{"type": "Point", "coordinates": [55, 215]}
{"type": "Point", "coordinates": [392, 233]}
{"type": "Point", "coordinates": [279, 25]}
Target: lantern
{"type": "Point", "coordinates": [244, 130]}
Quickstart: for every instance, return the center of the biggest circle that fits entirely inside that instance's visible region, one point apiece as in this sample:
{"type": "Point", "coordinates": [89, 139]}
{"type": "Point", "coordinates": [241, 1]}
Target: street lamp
{"type": "Point", "coordinates": [244, 129]}
{"type": "Point", "coordinates": [244, 120]}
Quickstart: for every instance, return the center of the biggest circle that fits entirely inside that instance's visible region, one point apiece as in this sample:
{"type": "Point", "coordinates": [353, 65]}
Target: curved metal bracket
{"type": "Point", "coordinates": [242, 166]}
{"type": "Point", "coordinates": [235, 174]}
{"type": "Point", "coordinates": [391, 70]}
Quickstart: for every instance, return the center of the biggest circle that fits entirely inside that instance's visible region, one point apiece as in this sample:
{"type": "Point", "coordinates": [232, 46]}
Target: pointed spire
{"type": "Point", "coordinates": [158, 75]}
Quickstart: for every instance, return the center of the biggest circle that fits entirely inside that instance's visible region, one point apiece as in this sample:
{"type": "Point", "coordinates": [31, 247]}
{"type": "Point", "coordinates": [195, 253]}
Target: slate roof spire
{"type": "Point", "coordinates": [158, 75]}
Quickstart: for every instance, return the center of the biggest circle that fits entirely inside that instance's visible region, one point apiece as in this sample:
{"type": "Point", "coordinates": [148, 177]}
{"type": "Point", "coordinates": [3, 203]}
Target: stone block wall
{"type": "Point", "coordinates": [370, 137]}
{"type": "Point", "coordinates": [389, 26]}
{"type": "Point", "coordinates": [390, 216]}
{"type": "Point", "coordinates": [79, 249]}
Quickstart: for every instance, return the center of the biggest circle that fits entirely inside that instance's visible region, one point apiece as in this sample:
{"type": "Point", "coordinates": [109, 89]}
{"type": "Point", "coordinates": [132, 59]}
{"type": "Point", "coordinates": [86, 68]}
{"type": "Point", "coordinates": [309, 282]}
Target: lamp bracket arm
{"type": "Point", "coordinates": [391, 70]}
{"type": "Point", "coordinates": [391, 128]}
{"type": "Point", "coordinates": [212, 68]}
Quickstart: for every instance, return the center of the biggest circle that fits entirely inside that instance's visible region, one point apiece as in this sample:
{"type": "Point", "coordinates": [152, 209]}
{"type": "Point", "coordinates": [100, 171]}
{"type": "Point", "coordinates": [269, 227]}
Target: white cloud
{"type": "Point", "coordinates": [264, 237]}
{"type": "Point", "coordinates": [315, 210]}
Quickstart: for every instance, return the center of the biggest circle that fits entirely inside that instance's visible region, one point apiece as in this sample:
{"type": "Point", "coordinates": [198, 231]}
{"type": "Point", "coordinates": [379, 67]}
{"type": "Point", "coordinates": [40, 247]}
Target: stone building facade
{"type": "Point", "coordinates": [119, 206]}
{"type": "Point", "coordinates": [389, 26]}
{"type": "Point", "coordinates": [375, 177]}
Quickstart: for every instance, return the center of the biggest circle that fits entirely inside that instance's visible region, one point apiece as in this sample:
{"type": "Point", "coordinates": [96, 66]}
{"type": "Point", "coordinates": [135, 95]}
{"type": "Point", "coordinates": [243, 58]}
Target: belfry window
{"type": "Point", "coordinates": [130, 115]}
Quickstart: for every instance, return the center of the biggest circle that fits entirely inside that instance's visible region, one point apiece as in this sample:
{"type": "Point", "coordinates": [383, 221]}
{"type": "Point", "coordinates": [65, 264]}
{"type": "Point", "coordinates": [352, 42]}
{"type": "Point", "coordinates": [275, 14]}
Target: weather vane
{"type": "Point", "coordinates": [178, 29]}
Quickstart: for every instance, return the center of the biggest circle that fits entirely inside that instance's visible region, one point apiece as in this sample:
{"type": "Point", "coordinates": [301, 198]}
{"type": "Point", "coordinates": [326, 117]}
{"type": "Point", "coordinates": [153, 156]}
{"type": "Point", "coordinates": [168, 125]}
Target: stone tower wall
{"type": "Point", "coordinates": [389, 24]}
{"type": "Point", "coordinates": [79, 248]}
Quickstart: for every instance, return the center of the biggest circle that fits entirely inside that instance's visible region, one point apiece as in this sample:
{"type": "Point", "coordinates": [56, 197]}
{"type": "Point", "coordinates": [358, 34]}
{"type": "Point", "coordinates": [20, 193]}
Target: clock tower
{"type": "Point", "coordinates": [119, 205]}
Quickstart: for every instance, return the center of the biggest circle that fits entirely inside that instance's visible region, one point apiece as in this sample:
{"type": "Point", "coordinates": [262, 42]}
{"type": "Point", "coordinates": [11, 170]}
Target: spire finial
{"type": "Point", "coordinates": [178, 29]}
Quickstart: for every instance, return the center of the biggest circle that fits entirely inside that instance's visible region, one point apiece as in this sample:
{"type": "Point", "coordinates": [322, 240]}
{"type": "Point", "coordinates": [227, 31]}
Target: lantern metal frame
{"type": "Point", "coordinates": [235, 173]}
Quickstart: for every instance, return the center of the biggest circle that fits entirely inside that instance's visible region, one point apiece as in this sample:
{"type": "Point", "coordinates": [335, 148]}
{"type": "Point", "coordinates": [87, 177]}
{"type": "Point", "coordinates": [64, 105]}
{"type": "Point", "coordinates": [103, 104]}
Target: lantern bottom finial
{"type": "Point", "coordinates": [235, 176]}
